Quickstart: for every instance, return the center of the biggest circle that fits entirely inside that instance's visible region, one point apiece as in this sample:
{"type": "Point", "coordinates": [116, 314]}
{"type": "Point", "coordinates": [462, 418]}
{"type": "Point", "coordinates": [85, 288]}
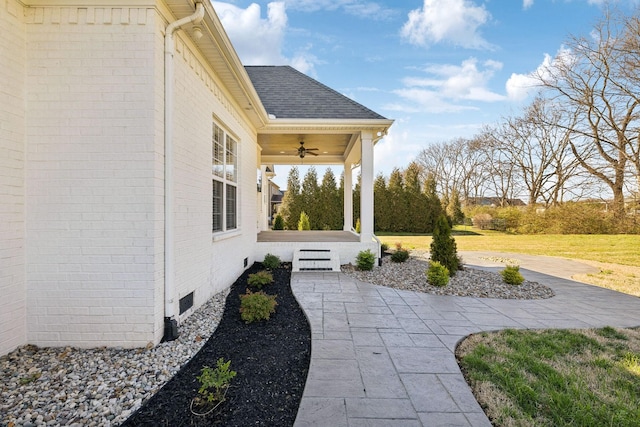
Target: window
{"type": "Point", "coordinates": [224, 170]}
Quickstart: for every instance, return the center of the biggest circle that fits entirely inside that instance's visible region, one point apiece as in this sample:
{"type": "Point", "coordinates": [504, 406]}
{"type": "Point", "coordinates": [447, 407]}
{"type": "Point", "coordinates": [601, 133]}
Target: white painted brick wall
{"type": "Point", "coordinates": [12, 211]}
{"type": "Point", "coordinates": [205, 265]}
{"type": "Point", "coordinates": [92, 256]}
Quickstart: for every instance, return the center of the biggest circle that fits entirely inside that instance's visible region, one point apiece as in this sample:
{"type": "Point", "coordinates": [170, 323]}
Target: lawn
{"type": "Point", "coordinates": [616, 256]}
{"type": "Point", "coordinates": [555, 377]}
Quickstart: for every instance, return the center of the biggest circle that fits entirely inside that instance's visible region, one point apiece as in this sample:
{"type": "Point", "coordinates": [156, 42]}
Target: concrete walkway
{"type": "Point", "coordinates": [384, 357]}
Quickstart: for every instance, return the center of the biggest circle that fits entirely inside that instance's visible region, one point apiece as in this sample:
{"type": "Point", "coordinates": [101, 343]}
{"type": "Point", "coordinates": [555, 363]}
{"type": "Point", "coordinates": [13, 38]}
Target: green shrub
{"type": "Point", "coordinates": [304, 223]}
{"type": "Point", "coordinates": [214, 382]}
{"type": "Point", "coordinates": [358, 226]}
{"type": "Point", "coordinates": [260, 279]}
{"type": "Point", "coordinates": [278, 222]}
{"type": "Point", "coordinates": [443, 246]}
{"type": "Point", "coordinates": [365, 260]}
{"type": "Point", "coordinates": [271, 262]}
{"type": "Point", "coordinates": [437, 274]}
{"type": "Point", "coordinates": [400, 255]}
{"type": "Point", "coordinates": [257, 306]}
{"type": "Point", "coordinates": [511, 275]}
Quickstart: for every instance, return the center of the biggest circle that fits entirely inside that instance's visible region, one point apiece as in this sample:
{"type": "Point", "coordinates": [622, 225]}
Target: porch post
{"type": "Point", "coordinates": [348, 197]}
{"type": "Point", "coordinates": [264, 199]}
{"type": "Point", "coordinates": [366, 188]}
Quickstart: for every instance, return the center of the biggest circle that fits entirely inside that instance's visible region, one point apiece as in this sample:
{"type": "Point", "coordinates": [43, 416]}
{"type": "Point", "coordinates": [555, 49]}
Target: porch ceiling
{"type": "Point", "coordinates": [282, 148]}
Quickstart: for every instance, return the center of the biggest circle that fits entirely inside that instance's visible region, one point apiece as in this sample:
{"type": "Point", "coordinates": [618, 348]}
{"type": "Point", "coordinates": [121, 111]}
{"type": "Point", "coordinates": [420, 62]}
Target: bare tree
{"type": "Point", "coordinates": [591, 79]}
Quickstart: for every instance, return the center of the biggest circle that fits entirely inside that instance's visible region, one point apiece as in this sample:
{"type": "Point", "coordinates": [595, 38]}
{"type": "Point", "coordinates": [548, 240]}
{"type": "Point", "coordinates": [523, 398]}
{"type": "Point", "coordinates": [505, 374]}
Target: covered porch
{"type": "Point", "coordinates": [311, 124]}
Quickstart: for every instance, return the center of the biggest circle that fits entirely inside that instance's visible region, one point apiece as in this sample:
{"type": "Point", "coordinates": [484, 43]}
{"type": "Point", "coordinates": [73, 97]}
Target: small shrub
{"type": "Point", "coordinates": [271, 262]}
{"type": "Point", "coordinates": [365, 260]}
{"type": "Point", "coordinates": [260, 279]}
{"type": "Point", "coordinates": [511, 275]}
{"type": "Point", "coordinates": [278, 222]}
{"type": "Point", "coordinates": [443, 246]}
{"type": "Point", "coordinates": [400, 255]}
{"type": "Point", "coordinates": [304, 223]}
{"type": "Point", "coordinates": [384, 247]}
{"type": "Point", "coordinates": [437, 274]}
{"type": "Point", "coordinates": [257, 306]}
{"type": "Point", "coordinates": [358, 226]}
{"type": "Point", "coordinates": [214, 382]}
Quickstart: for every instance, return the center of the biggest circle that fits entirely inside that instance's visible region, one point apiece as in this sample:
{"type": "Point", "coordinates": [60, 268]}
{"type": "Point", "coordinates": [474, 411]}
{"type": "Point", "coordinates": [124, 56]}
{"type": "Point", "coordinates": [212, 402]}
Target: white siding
{"type": "Point", "coordinates": [92, 185]}
{"type": "Point", "coordinates": [204, 264]}
{"type": "Point", "coordinates": [12, 189]}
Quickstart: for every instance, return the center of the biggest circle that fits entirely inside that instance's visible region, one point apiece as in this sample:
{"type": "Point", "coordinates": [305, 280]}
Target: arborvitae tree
{"type": "Point", "coordinates": [278, 222]}
{"type": "Point", "coordinates": [454, 208]}
{"type": "Point", "coordinates": [416, 201]}
{"type": "Point", "coordinates": [434, 208]}
{"type": "Point", "coordinates": [330, 207]}
{"type": "Point", "coordinates": [443, 246]}
{"type": "Point", "coordinates": [341, 199]}
{"type": "Point", "coordinates": [356, 200]}
{"type": "Point", "coordinates": [381, 206]}
{"type": "Point", "coordinates": [397, 201]}
{"type": "Point", "coordinates": [310, 198]}
{"type": "Point", "coordinates": [303, 222]}
{"type": "Point", "coordinates": [291, 202]}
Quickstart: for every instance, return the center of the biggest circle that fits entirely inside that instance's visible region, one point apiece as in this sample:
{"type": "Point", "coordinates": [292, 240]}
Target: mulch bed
{"type": "Point", "coordinates": [271, 359]}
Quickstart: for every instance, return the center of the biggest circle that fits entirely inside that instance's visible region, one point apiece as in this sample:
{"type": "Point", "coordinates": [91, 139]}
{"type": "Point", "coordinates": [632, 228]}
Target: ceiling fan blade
{"type": "Point", "coordinates": [309, 149]}
{"type": "Point", "coordinates": [311, 152]}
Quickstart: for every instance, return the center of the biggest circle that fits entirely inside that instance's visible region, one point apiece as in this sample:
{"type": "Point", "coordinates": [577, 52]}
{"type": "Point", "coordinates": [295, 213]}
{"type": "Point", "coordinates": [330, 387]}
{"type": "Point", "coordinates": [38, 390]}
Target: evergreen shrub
{"type": "Point", "coordinates": [437, 274]}
{"type": "Point", "coordinates": [278, 222]}
{"type": "Point", "coordinates": [271, 262]}
{"type": "Point", "coordinates": [257, 306]}
{"type": "Point", "coordinates": [365, 260]}
{"type": "Point", "coordinates": [443, 246]}
{"type": "Point", "coordinates": [260, 279]}
{"type": "Point", "coordinates": [303, 223]}
{"type": "Point", "coordinates": [511, 275]}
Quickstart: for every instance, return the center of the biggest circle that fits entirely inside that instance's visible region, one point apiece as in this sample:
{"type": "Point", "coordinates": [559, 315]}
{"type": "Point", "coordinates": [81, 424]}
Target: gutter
{"type": "Point", "coordinates": [170, 321]}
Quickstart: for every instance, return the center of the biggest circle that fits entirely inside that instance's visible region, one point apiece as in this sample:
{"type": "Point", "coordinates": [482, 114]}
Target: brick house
{"type": "Point", "coordinates": [130, 139]}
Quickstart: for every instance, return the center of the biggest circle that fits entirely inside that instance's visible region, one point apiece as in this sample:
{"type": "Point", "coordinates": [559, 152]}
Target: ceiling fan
{"type": "Point", "coordinates": [302, 151]}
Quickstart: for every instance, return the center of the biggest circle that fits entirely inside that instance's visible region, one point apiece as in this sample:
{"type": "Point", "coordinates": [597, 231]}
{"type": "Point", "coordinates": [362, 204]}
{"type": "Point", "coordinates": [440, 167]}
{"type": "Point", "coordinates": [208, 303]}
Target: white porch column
{"type": "Point", "coordinates": [264, 199]}
{"type": "Point", "coordinates": [366, 188]}
{"type": "Point", "coordinates": [348, 197]}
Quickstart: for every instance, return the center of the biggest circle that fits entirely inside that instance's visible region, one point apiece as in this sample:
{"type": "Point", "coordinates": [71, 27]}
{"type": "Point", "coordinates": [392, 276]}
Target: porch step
{"type": "Point", "coordinates": [316, 260]}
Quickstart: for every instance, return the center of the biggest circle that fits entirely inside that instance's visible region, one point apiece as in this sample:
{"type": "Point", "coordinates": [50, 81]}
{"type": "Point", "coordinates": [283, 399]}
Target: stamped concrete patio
{"type": "Point", "coordinates": [385, 357]}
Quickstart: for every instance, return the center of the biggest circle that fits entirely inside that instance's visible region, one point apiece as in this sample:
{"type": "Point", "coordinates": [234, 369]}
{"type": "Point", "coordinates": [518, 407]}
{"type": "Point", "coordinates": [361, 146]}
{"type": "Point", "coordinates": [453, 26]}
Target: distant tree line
{"type": "Point", "coordinates": [405, 202]}
{"type": "Point", "coordinates": [577, 140]}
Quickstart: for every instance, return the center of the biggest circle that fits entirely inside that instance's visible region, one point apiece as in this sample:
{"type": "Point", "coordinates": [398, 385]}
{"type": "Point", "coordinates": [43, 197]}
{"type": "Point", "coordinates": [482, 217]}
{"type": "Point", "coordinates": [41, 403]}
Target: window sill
{"type": "Point", "coordinates": [223, 235]}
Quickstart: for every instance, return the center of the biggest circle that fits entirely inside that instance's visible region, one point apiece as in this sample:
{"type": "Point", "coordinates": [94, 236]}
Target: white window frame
{"type": "Point", "coordinates": [224, 176]}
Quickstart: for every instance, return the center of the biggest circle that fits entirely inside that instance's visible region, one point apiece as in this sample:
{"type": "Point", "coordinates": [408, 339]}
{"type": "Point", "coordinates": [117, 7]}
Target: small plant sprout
{"type": "Point", "coordinates": [214, 382]}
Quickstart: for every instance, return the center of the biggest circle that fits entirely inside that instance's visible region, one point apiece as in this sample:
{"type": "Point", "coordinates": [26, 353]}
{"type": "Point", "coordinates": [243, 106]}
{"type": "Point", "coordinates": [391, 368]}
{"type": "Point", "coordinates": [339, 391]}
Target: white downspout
{"type": "Point", "coordinates": [170, 323]}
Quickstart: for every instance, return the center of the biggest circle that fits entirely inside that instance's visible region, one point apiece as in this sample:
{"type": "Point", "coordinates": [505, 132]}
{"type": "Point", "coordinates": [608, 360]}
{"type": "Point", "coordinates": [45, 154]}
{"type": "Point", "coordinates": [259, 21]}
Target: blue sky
{"type": "Point", "coordinates": [440, 68]}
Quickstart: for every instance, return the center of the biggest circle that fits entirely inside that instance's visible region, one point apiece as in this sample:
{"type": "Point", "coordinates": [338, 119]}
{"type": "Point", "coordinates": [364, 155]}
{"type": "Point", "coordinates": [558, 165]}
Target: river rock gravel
{"type": "Point", "coordinates": [410, 275]}
{"type": "Point", "coordinates": [95, 387]}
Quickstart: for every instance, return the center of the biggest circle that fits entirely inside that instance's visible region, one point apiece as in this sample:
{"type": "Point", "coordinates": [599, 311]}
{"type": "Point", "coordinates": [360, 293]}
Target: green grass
{"type": "Point", "coordinates": [555, 377]}
{"type": "Point", "coordinates": [621, 249]}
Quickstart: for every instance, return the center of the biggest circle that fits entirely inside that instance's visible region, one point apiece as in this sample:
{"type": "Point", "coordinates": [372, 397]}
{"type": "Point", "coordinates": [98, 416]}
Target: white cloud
{"type": "Point", "coordinates": [456, 22]}
{"type": "Point", "coordinates": [359, 8]}
{"type": "Point", "coordinates": [526, 4]}
{"type": "Point", "coordinates": [245, 26]}
{"type": "Point", "coordinates": [446, 86]}
{"type": "Point", "coordinates": [519, 86]}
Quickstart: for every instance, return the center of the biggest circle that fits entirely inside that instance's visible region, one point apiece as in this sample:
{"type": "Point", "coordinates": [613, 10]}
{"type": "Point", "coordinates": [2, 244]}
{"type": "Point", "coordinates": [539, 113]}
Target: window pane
{"type": "Point", "coordinates": [231, 207]}
{"type": "Point", "coordinates": [217, 205]}
{"type": "Point", "coordinates": [231, 160]}
{"type": "Point", "coordinates": [218, 151]}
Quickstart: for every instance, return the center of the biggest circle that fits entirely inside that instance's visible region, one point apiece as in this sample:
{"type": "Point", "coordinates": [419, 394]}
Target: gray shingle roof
{"type": "Point", "coordinates": [290, 94]}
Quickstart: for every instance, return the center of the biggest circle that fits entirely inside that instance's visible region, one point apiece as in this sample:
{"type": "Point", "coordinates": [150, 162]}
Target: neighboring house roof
{"type": "Point", "coordinates": [289, 94]}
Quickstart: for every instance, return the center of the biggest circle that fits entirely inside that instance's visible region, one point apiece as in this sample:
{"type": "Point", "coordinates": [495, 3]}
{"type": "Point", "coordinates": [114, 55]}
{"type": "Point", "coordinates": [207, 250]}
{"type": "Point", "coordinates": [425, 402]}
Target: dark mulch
{"type": "Point", "coordinates": [271, 358]}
